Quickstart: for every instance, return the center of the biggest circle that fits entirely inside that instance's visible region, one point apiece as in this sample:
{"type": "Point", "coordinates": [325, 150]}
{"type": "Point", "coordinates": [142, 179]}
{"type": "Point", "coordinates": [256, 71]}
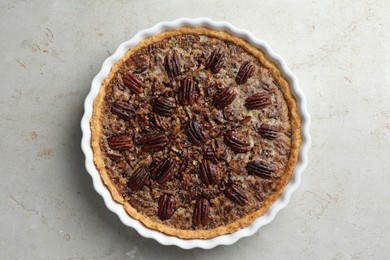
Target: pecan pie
{"type": "Point", "coordinates": [195, 132]}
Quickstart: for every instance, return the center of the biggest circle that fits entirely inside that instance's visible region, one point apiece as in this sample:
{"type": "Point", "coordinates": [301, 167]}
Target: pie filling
{"type": "Point", "coordinates": [196, 132]}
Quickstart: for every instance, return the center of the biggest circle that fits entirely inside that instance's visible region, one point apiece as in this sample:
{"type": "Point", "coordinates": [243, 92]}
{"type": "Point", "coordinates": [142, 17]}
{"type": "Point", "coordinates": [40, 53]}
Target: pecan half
{"type": "Point", "coordinates": [236, 194]}
{"type": "Point", "coordinates": [246, 120]}
{"type": "Point", "coordinates": [258, 101]}
{"type": "Point", "coordinates": [288, 133]}
{"type": "Point", "coordinates": [215, 61]}
{"type": "Point", "coordinates": [209, 154]}
{"type": "Point", "coordinates": [140, 63]}
{"type": "Point", "coordinates": [158, 122]}
{"type": "Point", "coordinates": [268, 131]}
{"type": "Point", "coordinates": [237, 143]}
{"type": "Point", "coordinates": [196, 133]}
{"type": "Point", "coordinates": [172, 64]}
{"type": "Point", "coordinates": [154, 142]}
{"type": "Point", "coordinates": [163, 171]}
{"type": "Point", "coordinates": [166, 206]}
{"type": "Point", "coordinates": [245, 72]}
{"type": "Point", "coordinates": [114, 156]}
{"type": "Point", "coordinates": [133, 82]}
{"type": "Point", "coordinates": [201, 212]}
{"type": "Point", "coordinates": [187, 92]}
{"type": "Point", "coordinates": [209, 172]}
{"type": "Point", "coordinates": [260, 168]}
{"type": "Point", "coordinates": [224, 97]}
{"type": "Point", "coordinates": [120, 142]}
{"type": "Point", "coordinates": [138, 179]}
{"type": "Point", "coordinates": [123, 109]}
{"type": "Point", "coordinates": [163, 106]}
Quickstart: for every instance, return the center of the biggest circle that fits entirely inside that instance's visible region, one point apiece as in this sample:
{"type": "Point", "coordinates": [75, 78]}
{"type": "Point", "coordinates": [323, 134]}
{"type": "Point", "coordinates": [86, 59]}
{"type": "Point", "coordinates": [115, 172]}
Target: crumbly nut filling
{"type": "Point", "coordinates": [196, 132]}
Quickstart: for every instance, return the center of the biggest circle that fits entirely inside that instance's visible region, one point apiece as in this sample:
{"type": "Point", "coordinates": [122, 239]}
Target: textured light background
{"type": "Point", "coordinates": [49, 53]}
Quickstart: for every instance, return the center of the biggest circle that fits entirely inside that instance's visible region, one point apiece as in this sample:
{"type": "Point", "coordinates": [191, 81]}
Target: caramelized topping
{"type": "Point", "coordinates": [201, 151]}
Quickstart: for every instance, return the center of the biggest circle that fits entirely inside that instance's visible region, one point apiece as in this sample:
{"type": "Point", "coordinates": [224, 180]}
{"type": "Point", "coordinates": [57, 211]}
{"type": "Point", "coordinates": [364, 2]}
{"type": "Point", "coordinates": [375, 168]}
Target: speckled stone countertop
{"type": "Point", "coordinates": [50, 51]}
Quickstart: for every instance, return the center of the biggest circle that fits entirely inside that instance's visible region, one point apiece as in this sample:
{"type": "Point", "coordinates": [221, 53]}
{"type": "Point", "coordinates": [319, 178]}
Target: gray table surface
{"type": "Point", "coordinates": [50, 51]}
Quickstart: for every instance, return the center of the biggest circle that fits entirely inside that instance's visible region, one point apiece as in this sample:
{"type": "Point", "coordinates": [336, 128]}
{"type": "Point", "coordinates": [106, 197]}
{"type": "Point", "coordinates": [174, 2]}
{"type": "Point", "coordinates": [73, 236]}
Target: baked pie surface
{"type": "Point", "coordinates": [195, 132]}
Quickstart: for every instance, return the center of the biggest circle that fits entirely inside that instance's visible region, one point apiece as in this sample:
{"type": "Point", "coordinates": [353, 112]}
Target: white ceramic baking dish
{"type": "Point", "coordinates": [119, 210]}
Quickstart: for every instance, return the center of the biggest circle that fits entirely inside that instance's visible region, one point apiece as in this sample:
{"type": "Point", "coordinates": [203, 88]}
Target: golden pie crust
{"type": "Point", "coordinates": [296, 139]}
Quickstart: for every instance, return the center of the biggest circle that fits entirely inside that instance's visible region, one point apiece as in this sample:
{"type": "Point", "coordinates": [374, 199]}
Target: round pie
{"type": "Point", "coordinates": [195, 132]}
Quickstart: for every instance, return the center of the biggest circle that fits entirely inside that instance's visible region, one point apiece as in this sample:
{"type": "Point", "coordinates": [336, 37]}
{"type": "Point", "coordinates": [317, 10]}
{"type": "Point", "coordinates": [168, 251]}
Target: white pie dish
{"type": "Point", "coordinates": [118, 208]}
